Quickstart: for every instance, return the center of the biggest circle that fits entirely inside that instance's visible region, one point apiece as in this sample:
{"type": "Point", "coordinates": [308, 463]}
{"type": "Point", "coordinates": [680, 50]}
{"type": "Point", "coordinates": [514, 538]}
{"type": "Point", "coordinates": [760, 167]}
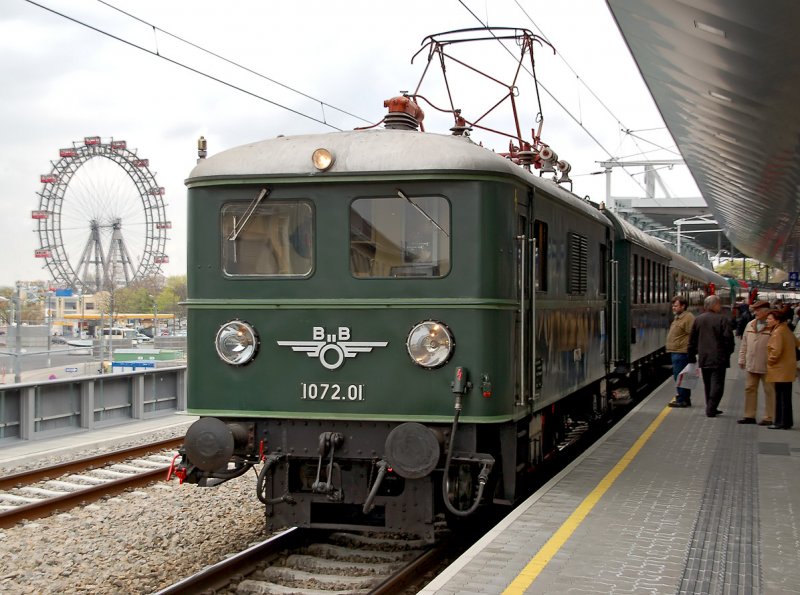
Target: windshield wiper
{"type": "Point", "coordinates": [422, 212]}
{"type": "Point", "coordinates": [237, 229]}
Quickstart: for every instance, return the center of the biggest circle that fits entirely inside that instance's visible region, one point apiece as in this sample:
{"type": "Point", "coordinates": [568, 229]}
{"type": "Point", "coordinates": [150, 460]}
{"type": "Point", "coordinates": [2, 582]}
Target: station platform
{"type": "Point", "coordinates": [668, 501]}
{"type": "Point", "coordinates": [23, 451]}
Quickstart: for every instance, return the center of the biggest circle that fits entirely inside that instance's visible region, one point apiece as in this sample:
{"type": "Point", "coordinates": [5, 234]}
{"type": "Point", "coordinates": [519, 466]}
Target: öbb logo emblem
{"type": "Point", "coordinates": [333, 348]}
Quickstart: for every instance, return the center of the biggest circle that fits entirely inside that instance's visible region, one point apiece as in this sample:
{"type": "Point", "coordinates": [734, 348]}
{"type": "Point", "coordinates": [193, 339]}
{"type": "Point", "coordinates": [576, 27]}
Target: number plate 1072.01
{"type": "Point", "coordinates": [313, 391]}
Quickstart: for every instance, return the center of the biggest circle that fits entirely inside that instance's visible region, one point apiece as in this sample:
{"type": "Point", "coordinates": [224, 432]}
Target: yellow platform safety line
{"type": "Point", "coordinates": [545, 554]}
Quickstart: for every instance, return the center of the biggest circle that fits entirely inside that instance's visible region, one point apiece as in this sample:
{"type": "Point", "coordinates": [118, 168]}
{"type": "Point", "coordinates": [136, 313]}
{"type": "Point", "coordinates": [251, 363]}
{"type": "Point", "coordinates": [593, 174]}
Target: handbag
{"type": "Point", "coordinates": [688, 377]}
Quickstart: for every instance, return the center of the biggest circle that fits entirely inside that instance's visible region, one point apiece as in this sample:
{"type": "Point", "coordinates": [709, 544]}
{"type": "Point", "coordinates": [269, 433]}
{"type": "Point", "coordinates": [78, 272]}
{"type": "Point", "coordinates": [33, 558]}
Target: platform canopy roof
{"type": "Point", "coordinates": [725, 75]}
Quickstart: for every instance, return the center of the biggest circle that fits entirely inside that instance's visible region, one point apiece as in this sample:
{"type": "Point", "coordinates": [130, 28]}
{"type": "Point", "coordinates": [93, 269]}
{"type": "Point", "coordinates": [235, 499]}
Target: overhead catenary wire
{"type": "Point", "coordinates": [624, 129]}
{"type": "Point", "coordinates": [156, 28]}
{"type": "Point", "coordinates": [182, 65]}
{"type": "Point", "coordinates": [545, 89]}
{"type": "Point", "coordinates": [610, 112]}
{"type": "Point", "coordinates": [557, 101]}
{"type": "Point", "coordinates": [323, 104]}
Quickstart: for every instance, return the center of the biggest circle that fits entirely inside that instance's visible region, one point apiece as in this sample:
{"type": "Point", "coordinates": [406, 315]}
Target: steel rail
{"type": "Point", "coordinates": [35, 475]}
{"type": "Point", "coordinates": [37, 510]}
{"type": "Point", "coordinates": [219, 575]}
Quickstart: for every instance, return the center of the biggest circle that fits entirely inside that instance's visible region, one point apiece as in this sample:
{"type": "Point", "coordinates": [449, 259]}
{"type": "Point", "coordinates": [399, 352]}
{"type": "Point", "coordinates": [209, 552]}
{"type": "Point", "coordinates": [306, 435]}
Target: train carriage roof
{"type": "Point", "coordinates": [694, 270]}
{"type": "Point", "coordinates": [371, 153]}
{"type": "Point", "coordinates": [633, 234]}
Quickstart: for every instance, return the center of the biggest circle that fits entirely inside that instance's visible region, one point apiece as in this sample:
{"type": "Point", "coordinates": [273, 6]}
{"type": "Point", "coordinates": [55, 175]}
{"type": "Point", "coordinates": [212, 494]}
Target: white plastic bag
{"type": "Point", "coordinates": [688, 377]}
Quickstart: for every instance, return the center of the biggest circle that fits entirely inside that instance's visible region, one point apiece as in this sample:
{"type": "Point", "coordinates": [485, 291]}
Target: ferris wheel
{"type": "Point", "coordinates": [101, 219]}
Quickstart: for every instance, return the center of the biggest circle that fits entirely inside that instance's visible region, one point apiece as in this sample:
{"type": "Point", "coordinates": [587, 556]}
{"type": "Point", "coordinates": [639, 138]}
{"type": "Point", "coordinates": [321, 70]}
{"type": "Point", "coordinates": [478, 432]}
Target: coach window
{"type": "Point", "coordinates": [272, 239]}
{"type": "Point", "coordinates": [642, 278]}
{"type": "Point", "coordinates": [540, 255]}
{"type": "Point", "coordinates": [400, 237]}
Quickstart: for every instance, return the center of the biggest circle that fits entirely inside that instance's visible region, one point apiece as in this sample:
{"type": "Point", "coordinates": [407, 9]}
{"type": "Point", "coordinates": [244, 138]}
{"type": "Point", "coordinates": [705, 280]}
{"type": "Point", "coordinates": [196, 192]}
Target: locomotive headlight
{"type": "Point", "coordinates": [236, 342]}
{"type": "Point", "coordinates": [430, 344]}
{"type": "Point", "coordinates": [322, 159]}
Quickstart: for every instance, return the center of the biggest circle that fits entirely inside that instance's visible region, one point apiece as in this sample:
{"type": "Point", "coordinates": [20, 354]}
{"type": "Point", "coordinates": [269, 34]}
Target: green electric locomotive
{"type": "Point", "coordinates": [389, 323]}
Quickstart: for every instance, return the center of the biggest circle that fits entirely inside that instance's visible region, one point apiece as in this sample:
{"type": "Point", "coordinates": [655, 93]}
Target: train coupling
{"type": "Point", "coordinates": [328, 443]}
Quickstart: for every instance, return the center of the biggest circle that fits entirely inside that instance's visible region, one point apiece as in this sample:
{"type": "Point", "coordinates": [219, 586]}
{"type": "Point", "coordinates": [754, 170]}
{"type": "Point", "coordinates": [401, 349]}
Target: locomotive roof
{"type": "Point", "coordinates": [370, 152]}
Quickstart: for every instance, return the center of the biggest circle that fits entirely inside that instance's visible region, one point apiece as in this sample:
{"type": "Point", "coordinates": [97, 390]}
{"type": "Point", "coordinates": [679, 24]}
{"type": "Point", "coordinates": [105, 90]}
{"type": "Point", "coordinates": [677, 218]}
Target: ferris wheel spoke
{"type": "Point", "coordinates": [102, 217]}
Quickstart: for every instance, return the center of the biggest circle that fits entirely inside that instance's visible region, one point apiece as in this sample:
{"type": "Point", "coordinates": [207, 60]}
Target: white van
{"type": "Point", "coordinates": [119, 333]}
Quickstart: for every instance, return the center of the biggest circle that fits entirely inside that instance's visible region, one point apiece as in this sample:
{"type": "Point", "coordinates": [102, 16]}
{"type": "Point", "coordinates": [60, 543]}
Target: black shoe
{"type": "Point", "coordinates": [746, 420]}
{"type": "Point", "coordinates": [718, 412]}
{"type": "Point", "coordinates": [677, 404]}
{"type": "Point", "coordinates": [715, 415]}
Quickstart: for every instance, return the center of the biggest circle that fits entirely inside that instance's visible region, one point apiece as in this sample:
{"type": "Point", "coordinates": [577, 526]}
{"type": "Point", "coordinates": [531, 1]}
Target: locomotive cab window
{"type": "Point", "coordinates": [273, 239]}
{"type": "Point", "coordinates": [403, 236]}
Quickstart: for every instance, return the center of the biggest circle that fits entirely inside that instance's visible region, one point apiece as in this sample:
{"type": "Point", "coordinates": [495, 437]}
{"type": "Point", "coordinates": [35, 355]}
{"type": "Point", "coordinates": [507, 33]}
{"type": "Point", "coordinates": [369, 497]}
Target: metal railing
{"type": "Point", "coordinates": [43, 409]}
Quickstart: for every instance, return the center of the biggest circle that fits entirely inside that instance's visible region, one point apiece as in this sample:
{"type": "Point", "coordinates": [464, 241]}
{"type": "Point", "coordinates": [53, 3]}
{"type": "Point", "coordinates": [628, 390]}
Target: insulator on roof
{"type": "Point", "coordinates": [564, 167]}
{"type": "Point", "coordinates": [202, 148]}
{"type": "Point", "coordinates": [461, 128]}
{"type": "Point", "coordinates": [404, 114]}
{"type": "Point", "coordinates": [549, 158]}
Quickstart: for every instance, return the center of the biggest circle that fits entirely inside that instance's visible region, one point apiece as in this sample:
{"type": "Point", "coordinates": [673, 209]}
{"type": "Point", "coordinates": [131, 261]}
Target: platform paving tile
{"type": "Point", "coordinates": [720, 514]}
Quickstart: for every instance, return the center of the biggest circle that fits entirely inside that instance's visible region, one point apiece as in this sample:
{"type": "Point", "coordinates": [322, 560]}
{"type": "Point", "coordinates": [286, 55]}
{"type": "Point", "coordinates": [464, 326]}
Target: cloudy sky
{"type": "Point", "coordinates": [62, 81]}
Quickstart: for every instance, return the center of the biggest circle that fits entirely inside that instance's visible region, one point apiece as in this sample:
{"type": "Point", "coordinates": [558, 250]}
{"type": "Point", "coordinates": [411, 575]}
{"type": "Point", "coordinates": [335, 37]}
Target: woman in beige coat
{"type": "Point", "coordinates": [781, 366]}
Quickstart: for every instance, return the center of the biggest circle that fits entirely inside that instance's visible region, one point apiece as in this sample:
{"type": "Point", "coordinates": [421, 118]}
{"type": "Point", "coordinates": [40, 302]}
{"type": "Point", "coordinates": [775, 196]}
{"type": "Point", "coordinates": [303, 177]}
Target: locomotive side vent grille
{"type": "Point", "coordinates": [577, 264]}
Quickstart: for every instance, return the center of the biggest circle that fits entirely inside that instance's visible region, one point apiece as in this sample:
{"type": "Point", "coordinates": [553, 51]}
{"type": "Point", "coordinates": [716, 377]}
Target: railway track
{"type": "Point", "coordinates": [41, 492]}
{"type": "Point", "coordinates": [299, 561]}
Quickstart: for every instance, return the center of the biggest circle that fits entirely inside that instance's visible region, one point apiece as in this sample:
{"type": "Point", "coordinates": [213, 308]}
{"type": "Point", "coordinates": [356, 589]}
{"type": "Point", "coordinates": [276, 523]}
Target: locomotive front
{"type": "Point", "coordinates": [352, 339]}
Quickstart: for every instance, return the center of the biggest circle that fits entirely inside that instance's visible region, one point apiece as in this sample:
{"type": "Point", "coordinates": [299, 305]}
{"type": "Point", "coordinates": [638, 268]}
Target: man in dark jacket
{"type": "Point", "coordinates": [710, 346]}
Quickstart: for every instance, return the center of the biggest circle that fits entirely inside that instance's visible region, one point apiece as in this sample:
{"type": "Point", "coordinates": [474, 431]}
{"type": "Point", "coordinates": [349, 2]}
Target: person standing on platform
{"type": "Point", "coordinates": [744, 316]}
{"type": "Point", "coordinates": [781, 366]}
{"type": "Point", "coordinates": [753, 359]}
{"type": "Point", "coordinates": [678, 347]}
{"type": "Point", "coordinates": [710, 346]}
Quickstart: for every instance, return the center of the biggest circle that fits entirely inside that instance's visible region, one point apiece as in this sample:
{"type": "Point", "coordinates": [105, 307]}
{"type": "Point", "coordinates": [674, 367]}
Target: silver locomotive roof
{"type": "Point", "coordinates": [365, 151]}
{"type": "Point", "coordinates": [369, 152]}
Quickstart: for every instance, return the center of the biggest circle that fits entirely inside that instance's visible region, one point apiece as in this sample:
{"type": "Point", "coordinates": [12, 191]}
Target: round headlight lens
{"type": "Point", "coordinates": [430, 344]}
{"type": "Point", "coordinates": [236, 342]}
{"type": "Point", "coordinates": [322, 159]}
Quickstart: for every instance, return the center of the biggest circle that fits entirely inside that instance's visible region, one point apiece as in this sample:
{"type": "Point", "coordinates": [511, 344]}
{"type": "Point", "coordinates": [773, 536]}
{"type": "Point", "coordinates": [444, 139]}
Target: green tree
{"type": "Point", "coordinates": [5, 305]}
{"type": "Point", "coordinates": [753, 270]}
{"type": "Point", "coordinates": [178, 285]}
{"type": "Point", "coordinates": [171, 297]}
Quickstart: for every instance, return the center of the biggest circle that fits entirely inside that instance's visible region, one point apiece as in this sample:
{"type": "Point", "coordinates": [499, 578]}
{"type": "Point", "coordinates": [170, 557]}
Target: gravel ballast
{"type": "Point", "coordinates": [137, 542]}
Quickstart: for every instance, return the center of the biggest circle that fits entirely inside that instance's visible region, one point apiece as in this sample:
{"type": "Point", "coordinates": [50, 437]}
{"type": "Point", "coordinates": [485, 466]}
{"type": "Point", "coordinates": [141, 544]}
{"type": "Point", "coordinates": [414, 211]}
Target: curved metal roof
{"type": "Point", "coordinates": [635, 235]}
{"type": "Point", "coordinates": [360, 151]}
{"type": "Point", "coordinates": [368, 153]}
{"type": "Point", "coordinates": [725, 75]}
